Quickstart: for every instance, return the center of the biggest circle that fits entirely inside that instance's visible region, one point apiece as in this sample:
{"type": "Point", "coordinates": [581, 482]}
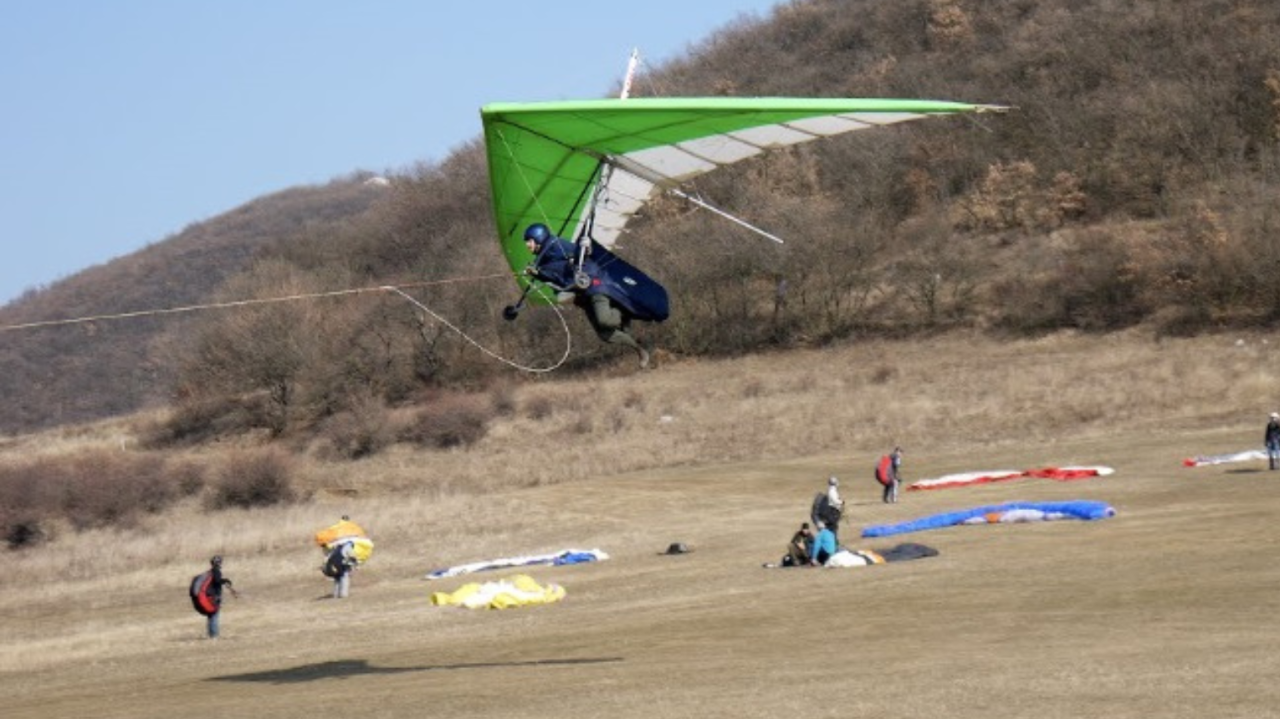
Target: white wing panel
{"type": "Point", "coordinates": [622, 196]}
{"type": "Point", "coordinates": [626, 192]}
{"type": "Point", "coordinates": [827, 126]}
{"type": "Point", "coordinates": [721, 149]}
{"type": "Point", "coordinates": [670, 162]}
{"type": "Point", "coordinates": [768, 136]}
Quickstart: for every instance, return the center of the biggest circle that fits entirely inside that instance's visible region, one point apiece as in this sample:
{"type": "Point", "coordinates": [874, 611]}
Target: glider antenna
{"type": "Point", "coordinates": [605, 168]}
{"type": "Point", "coordinates": [631, 73]}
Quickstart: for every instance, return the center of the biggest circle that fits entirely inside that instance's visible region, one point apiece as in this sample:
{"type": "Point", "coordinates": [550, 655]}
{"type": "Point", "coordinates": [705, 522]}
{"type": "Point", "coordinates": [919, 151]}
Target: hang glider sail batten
{"type": "Point", "coordinates": [544, 157]}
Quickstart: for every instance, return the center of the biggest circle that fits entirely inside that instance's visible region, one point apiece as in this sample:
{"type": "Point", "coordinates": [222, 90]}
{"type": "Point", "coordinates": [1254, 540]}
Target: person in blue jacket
{"type": "Point", "coordinates": [824, 546]}
{"type": "Point", "coordinates": [610, 306]}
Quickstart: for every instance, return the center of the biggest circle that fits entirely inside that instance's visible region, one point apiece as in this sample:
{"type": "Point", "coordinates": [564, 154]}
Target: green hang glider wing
{"type": "Point", "coordinates": [551, 162]}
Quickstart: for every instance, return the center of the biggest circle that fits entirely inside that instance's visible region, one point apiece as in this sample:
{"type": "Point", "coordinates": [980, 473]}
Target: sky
{"type": "Point", "coordinates": [124, 122]}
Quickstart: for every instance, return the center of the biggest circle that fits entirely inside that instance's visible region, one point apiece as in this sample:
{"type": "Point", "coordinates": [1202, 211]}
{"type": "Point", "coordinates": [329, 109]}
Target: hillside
{"type": "Point", "coordinates": [59, 375]}
{"type": "Point", "coordinates": [1133, 186]}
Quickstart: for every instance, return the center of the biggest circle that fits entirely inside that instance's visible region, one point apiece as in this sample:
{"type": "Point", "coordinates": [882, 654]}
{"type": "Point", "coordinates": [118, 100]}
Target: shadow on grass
{"type": "Point", "coordinates": [344, 668]}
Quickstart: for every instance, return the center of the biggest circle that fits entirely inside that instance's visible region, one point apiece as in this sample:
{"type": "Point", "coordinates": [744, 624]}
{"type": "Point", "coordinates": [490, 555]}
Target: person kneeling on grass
{"type": "Point", "coordinates": [823, 547]}
{"type": "Point", "coordinates": [798, 551]}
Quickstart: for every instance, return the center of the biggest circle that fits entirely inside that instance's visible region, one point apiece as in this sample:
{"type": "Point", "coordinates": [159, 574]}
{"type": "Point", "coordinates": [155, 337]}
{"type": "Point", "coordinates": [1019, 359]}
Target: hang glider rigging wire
{"type": "Point", "coordinates": [393, 289]}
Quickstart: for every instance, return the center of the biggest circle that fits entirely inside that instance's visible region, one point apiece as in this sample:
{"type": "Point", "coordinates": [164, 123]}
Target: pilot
{"type": "Point", "coordinates": [554, 264]}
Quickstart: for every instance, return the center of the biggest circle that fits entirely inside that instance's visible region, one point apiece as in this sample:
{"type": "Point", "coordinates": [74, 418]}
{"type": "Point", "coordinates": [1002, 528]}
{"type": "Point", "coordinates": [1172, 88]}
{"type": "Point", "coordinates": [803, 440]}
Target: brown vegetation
{"type": "Point", "coordinates": [1134, 184]}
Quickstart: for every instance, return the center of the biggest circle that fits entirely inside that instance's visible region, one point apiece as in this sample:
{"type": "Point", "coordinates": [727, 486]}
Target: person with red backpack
{"type": "Point", "coordinates": [206, 594]}
{"type": "Point", "coordinates": [887, 475]}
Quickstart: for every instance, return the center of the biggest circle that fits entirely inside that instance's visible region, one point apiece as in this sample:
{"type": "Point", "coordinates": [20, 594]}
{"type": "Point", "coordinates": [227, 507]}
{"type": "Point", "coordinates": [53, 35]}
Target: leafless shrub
{"type": "Point", "coordinates": [87, 489]}
{"type": "Point", "coordinates": [188, 477]}
{"type": "Point", "coordinates": [359, 432]}
{"type": "Point", "coordinates": [196, 420]}
{"type": "Point", "coordinates": [633, 399]}
{"type": "Point", "coordinates": [450, 420]}
{"type": "Point", "coordinates": [503, 398]}
{"type": "Point", "coordinates": [258, 478]}
{"type": "Point", "coordinates": [884, 374]}
{"type": "Point", "coordinates": [949, 25]}
{"type": "Point", "coordinates": [582, 424]}
{"type": "Point", "coordinates": [540, 407]}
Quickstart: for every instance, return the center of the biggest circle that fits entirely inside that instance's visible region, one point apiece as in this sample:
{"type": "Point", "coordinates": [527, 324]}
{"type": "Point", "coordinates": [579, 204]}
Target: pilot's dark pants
{"type": "Point", "coordinates": [610, 322]}
{"type": "Point", "coordinates": [613, 325]}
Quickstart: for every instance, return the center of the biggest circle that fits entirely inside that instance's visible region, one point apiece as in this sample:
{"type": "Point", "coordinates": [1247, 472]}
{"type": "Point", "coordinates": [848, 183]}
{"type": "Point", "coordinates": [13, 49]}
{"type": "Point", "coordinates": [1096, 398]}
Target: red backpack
{"type": "Point", "coordinates": [884, 469]}
{"type": "Point", "coordinates": [202, 593]}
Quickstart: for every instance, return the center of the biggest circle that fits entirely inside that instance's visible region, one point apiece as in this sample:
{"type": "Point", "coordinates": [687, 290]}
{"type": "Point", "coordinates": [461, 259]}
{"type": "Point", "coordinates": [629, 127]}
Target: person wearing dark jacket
{"type": "Point", "coordinates": [887, 475]}
{"type": "Point", "coordinates": [1272, 439]}
{"type": "Point", "coordinates": [215, 593]}
{"type": "Point", "coordinates": [798, 550]}
{"type": "Point", "coordinates": [339, 565]}
{"type": "Point", "coordinates": [555, 263]}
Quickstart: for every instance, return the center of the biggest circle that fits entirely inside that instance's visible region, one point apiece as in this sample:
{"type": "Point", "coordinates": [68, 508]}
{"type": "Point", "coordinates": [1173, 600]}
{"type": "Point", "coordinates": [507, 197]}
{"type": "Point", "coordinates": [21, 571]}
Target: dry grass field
{"type": "Point", "coordinates": [1169, 609]}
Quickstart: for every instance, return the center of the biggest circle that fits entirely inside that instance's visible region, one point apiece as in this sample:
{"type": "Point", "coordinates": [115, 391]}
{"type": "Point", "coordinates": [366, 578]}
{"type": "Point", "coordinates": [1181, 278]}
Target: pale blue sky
{"type": "Point", "coordinates": [125, 121]}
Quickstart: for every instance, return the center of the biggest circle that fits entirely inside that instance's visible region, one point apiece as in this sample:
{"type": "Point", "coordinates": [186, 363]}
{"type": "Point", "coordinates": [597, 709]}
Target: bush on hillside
{"type": "Point", "coordinates": [196, 420]}
{"type": "Point", "coordinates": [87, 490]}
{"type": "Point", "coordinates": [362, 431]}
{"type": "Point", "coordinates": [450, 420]}
{"type": "Point", "coordinates": [259, 478]}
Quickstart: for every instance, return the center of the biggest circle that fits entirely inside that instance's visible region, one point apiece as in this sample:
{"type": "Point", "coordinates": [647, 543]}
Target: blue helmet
{"type": "Point", "coordinates": [538, 233]}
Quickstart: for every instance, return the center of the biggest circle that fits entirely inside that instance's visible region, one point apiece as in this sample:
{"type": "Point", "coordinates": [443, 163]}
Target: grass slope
{"type": "Point", "coordinates": [1165, 610]}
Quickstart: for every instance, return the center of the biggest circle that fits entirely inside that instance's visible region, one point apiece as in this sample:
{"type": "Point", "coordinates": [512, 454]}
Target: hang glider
{"type": "Point", "coordinates": [584, 168]}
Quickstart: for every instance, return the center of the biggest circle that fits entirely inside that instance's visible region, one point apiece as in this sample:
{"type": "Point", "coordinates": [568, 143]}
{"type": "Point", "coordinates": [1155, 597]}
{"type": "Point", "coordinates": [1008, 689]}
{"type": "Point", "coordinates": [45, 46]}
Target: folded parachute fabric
{"type": "Point", "coordinates": [346, 529]}
{"type": "Point", "coordinates": [346, 532]}
{"type": "Point", "coordinates": [999, 514]}
{"type": "Point", "coordinates": [866, 557]}
{"type": "Point", "coordinates": [568, 556]}
{"type": "Point", "coordinates": [967, 478]}
{"type": "Point", "coordinates": [853, 558]}
{"type": "Point", "coordinates": [1208, 460]}
{"type": "Point", "coordinates": [519, 591]}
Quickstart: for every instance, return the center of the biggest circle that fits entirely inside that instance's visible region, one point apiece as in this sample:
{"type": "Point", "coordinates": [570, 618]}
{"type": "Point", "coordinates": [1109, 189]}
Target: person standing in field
{"type": "Point", "coordinates": [1272, 439]}
{"type": "Point", "coordinates": [828, 507]}
{"type": "Point", "coordinates": [339, 565]}
{"type": "Point", "coordinates": [214, 591]}
{"type": "Point", "coordinates": [887, 475]}
{"type": "Point", "coordinates": [346, 546]}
